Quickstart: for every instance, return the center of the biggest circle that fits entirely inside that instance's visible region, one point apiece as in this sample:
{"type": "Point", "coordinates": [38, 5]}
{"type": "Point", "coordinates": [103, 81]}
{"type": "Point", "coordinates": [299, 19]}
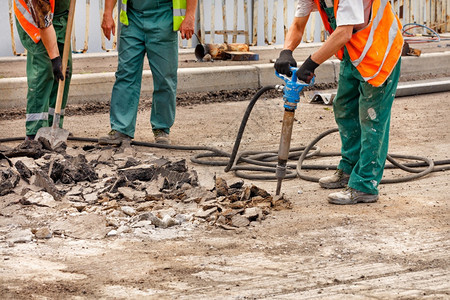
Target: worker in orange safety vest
{"type": "Point", "coordinates": [41, 25]}
{"type": "Point", "coordinates": [366, 36]}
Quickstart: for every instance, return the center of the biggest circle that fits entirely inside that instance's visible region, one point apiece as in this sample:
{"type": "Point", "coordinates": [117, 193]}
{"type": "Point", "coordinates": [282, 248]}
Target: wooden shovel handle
{"type": "Point", "coordinates": [65, 57]}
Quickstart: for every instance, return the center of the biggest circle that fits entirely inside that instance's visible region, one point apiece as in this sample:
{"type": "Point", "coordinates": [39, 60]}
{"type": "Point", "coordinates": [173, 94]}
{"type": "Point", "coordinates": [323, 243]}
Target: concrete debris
{"type": "Point", "coordinates": [19, 236]}
{"type": "Point", "coordinates": [90, 198]}
{"type": "Point", "coordinates": [81, 226]}
{"type": "Point", "coordinates": [43, 233]}
{"type": "Point", "coordinates": [75, 191]}
{"type": "Point", "coordinates": [253, 213]}
{"type": "Point", "coordinates": [131, 194]}
{"type": "Point", "coordinates": [128, 210]}
{"type": "Point", "coordinates": [112, 233]}
{"type": "Point", "coordinates": [137, 194]}
{"type": "Point", "coordinates": [239, 221]}
{"type": "Point", "coordinates": [39, 198]}
{"type": "Point", "coordinates": [201, 213]}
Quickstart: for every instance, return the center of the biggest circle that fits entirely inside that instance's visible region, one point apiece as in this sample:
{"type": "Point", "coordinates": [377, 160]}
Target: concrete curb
{"type": "Point", "coordinates": [87, 88]}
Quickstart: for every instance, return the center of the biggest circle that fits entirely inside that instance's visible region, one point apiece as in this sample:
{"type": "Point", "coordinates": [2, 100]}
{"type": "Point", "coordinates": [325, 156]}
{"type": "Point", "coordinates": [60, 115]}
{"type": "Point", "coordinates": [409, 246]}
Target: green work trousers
{"type": "Point", "coordinates": [42, 86]}
{"type": "Point", "coordinates": [149, 32]}
{"type": "Point", "coordinates": [363, 114]}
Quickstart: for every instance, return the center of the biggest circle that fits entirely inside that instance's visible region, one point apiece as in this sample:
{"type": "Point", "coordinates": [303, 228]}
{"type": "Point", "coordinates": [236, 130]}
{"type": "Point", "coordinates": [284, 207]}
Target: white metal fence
{"type": "Point", "coordinates": [254, 22]}
{"type": "Point", "coordinates": [266, 21]}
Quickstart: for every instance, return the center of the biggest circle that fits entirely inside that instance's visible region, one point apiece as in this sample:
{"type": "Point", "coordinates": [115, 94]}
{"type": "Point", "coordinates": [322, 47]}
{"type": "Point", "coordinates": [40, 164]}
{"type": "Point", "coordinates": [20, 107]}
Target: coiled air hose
{"type": "Point", "coordinates": [265, 161]}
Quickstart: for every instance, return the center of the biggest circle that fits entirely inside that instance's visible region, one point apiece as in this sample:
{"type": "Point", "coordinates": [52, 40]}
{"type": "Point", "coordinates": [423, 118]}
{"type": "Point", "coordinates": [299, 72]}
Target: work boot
{"type": "Point", "coordinates": [30, 137]}
{"type": "Point", "coordinates": [161, 137]}
{"type": "Point", "coordinates": [351, 196]}
{"type": "Point", "coordinates": [336, 181]}
{"type": "Point", "coordinates": [114, 138]}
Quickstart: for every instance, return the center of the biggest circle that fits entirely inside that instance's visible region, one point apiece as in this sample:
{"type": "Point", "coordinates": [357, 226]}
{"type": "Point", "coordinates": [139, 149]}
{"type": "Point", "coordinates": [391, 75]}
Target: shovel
{"type": "Point", "coordinates": [55, 134]}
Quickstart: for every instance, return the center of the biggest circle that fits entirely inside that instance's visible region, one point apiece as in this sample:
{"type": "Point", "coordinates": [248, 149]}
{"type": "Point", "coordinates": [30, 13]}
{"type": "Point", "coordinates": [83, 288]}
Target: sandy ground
{"type": "Point", "coordinates": [397, 248]}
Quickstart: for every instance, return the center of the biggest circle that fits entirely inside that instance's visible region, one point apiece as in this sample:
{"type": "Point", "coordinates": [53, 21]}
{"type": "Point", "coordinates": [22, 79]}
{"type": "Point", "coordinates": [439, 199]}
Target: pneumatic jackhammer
{"type": "Point", "coordinates": [291, 96]}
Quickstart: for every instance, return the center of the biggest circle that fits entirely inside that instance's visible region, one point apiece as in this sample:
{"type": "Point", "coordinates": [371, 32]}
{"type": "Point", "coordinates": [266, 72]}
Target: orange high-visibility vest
{"type": "Point", "coordinates": [25, 19]}
{"type": "Point", "coordinates": [375, 49]}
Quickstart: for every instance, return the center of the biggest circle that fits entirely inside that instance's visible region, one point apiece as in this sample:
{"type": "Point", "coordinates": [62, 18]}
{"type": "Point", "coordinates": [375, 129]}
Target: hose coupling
{"type": "Point", "coordinates": [279, 87]}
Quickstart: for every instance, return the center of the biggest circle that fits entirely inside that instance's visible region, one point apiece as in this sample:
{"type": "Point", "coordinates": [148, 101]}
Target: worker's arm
{"type": "Point", "coordinates": [293, 39]}
{"type": "Point", "coordinates": [187, 27]}
{"type": "Point", "coordinates": [43, 18]}
{"type": "Point", "coordinates": [48, 37]}
{"type": "Point", "coordinates": [295, 33]}
{"type": "Point", "coordinates": [108, 24]}
{"type": "Point", "coordinates": [334, 42]}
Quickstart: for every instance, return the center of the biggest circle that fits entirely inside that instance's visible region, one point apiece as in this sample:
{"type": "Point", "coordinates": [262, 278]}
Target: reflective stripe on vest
{"type": "Point", "coordinates": [179, 12]}
{"type": "Point", "coordinates": [375, 49]}
{"type": "Point", "coordinates": [26, 21]}
{"type": "Point", "coordinates": [123, 13]}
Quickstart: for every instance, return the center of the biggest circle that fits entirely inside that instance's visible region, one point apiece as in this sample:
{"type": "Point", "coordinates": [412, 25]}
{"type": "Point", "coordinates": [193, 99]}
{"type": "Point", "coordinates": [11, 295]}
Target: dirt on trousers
{"type": "Point", "coordinates": [397, 248]}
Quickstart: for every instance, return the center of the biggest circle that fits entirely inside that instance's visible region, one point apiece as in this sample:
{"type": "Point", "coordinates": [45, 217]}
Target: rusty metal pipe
{"type": "Point", "coordinates": [217, 51]}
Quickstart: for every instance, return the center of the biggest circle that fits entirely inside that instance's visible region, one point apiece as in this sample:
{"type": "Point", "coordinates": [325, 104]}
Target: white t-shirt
{"type": "Point", "coordinates": [349, 12]}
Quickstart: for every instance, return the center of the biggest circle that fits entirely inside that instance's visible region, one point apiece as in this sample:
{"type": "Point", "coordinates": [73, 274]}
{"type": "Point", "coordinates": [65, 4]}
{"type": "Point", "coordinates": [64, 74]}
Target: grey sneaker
{"type": "Point", "coordinates": [351, 196]}
{"type": "Point", "coordinates": [336, 181]}
{"type": "Point", "coordinates": [161, 137]}
{"type": "Point", "coordinates": [113, 138]}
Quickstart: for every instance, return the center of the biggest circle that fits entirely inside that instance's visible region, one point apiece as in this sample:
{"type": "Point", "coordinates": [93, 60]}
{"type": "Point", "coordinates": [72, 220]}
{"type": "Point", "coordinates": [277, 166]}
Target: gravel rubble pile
{"type": "Point", "coordinates": [104, 192]}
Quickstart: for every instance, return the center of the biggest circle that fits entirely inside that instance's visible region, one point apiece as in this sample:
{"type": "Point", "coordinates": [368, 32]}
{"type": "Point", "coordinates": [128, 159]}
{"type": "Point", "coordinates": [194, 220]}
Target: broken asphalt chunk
{"type": "Point", "coordinates": [221, 187]}
{"type": "Point", "coordinates": [44, 181]}
{"type": "Point", "coordinates": [8, 181]}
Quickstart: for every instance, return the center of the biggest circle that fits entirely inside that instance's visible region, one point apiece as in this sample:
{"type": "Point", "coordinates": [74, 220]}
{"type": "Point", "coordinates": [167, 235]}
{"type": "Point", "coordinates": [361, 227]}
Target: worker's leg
{"type": "Point", "coordinates": [60, 24]}
{"type": "Point", "coordinates": [40, 82]}
{"type": "Point", "coordinates": [375, 106]}
{"type": "Point", "coordinates": [162, 51]}
{"type": "Point", "coordinates": [346, 113]}
{"type": "Point", "coordinates": [127, 88]}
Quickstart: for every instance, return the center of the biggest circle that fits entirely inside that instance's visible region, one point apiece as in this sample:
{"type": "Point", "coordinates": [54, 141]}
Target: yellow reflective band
{"type": "Point", "coordinates": [123, 13]}
{"type": "Point", "coordinates": [179, 12]}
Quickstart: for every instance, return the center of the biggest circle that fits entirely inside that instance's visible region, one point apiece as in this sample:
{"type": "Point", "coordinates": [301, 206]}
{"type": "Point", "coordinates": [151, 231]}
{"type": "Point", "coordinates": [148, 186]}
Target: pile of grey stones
{"type": "Point", "coordinates": [121, 190]}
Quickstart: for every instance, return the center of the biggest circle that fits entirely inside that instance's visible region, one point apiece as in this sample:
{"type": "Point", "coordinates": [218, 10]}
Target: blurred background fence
{"type": "Point", "coordinates": [254, 22]}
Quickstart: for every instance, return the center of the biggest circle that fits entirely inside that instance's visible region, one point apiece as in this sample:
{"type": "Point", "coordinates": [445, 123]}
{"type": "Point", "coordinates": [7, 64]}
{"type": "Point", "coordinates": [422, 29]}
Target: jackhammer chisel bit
{"type": "Point", "coordinates": [291, 96]}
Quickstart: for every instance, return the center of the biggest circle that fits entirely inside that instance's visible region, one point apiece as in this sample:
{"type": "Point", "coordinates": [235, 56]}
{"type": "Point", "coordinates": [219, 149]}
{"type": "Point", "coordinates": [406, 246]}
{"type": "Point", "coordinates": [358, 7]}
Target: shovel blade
{"type": "Point", "coordinates": [53, 135]}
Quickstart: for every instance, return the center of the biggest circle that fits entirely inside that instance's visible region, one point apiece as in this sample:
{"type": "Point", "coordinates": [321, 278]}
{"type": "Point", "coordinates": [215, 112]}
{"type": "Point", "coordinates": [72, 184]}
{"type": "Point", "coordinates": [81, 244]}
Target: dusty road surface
{"type": "Point", "coordinates": [397, 248]}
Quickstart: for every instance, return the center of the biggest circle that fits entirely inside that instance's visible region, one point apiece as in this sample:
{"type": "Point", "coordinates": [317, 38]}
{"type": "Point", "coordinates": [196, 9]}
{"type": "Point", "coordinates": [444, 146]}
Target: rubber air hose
{"type": "Point", "coordinates": [250, 106]}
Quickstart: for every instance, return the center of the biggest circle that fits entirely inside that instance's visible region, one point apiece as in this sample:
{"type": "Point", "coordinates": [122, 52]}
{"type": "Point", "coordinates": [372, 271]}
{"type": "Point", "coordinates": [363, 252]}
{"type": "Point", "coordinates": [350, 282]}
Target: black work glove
{"type": "Point", "coordinates": [285, 61]}
{"type": "Point", "coordinates": [306, 71]}
{"type": "Point", "coordinates": [57, 68]}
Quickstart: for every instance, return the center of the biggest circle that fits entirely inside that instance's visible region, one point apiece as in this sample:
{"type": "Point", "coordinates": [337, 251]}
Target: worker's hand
{"type": "Point", "coordinates": [108, 25]}
{"type": "Point", "coordinates": [306, 71]}
{"type": "Point", "coordinates": [187, 27]}
{"type": "Point", "coordinates": [284, 62]}
{"type": "Point", "coordinates": [57, 68]}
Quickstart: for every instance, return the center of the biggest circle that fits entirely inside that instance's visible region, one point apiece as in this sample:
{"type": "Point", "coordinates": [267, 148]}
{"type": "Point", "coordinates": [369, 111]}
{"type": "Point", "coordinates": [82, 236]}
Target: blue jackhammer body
{"type": "Point", "coordinates": [291, 97]}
